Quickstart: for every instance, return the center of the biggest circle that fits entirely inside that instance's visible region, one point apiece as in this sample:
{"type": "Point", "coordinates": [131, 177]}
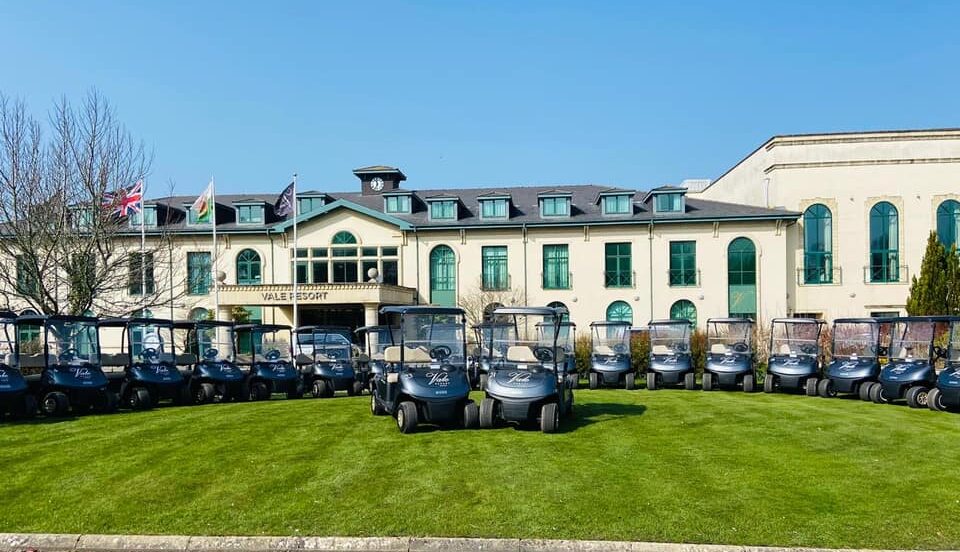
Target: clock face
{"type": "Point", "coordinates": [376, 184]}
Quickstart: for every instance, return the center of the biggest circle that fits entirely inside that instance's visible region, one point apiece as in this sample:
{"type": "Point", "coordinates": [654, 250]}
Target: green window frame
{"type": "Point", "coordinates": [308, 204]}
{"type": "Point", "coordinates": [135, 284]}
{"type": "Point", "coordinates": [742, 278]}
{"type": "Point", "coordinates": [149, 214]}
{"type": "Point", "coordinates": [250, 214]}
{"type": "Point", "coordinates": [198, 273]}
{"type": "Point", "coordinates": [555, 207]}
{"type": "Point", "coordinates": [249, 268]}
{"type": "Point", "coordinates": [684, 309]}
{"type": "Point", "coordinates": [884, 243]}
{"type": "Point", "coordinates": [443, 276]}
{"type": "Point", "coordinates": [28, 282]}
{"type": "Point", "coordinates": [344, 238]}
{"type": "Point", "coordinates": [494, 273]}
{"type": "Point", "coordinates": [494, 208]}
{"type": "Point", "coordinates": [397, 203]}
{"type": "Point", "coordinates": [620, 311]}
{"type": "Point", "coordinates": [556, 266]}
{"type": "Point", "coordinates": [683, 263]}
{"type": "Point", "coordinates": [668, 203]}
{"type": "Point", "coordinates": [443, 210]}
{"type": "Point", "coordinates": [192, 218]}
{"type": "Point", "coordinates": [616, 204]}
{"type": "Point", "coordinates": [618, 265]}
{"type": "Point", "coordinates": [948, 223]}
{"type": "Point", "coordinates": [817, 245]}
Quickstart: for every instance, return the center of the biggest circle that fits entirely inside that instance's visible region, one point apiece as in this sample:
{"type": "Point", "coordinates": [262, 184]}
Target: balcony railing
{"type": "Point", "coordinates": [496, 284]}
{"type": "Point", "coordinates": [557, 282]}
{"type": "Point", "coordinates": [619, 279]}
{"type": "Point", "coordinates": [819, 276]}
{"type": "Point", "coordinates": [886, 274]}
{"type": "Point", "coordinates": [683, 278]}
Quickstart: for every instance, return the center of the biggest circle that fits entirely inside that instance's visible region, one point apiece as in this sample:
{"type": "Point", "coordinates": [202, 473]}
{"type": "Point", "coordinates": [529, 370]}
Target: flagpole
{"type": "Point", "coordinates": [143, 247]}
{"type": "Point", "coordinates": [295, 261]}
{"type": "Point", "coordinates": [213, 265]}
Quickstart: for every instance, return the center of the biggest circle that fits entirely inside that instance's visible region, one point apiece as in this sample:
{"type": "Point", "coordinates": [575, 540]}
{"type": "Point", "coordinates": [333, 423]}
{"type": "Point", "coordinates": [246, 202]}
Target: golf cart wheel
{"type": "Point", "coordinates": [106, 401]}
{"type": "Point", "coordinates": [483, 381]}
{"type": "Point", "coordinates": [811, 386]}
{"type": "Point", "coordinates": [375, 407]}
{"type": "Point", "coordinates": [630, 381]}
{"type": "Point", "coordinates": [917, 397]}
{"type": "Point", "coordinates": [935, 400]}
{"type": "Point", "coordinates": [876, 394]}
{"type": "Point", "coordinates": [138, 399]}
{"type": "Point", "coordinates": [471, 415]}
{"type": "Point", "coordinates": [549, 418]}
{"type": "Point", "coordinates": [204, 393]}
{"type": "Point", "coordinates": [259, 391]}
{"type": "Point", "coordinates": [769, 383]}
{"type": "Point", "coordinates": [296, 392]}
{"type": "Point", "coordinates": [357, 388]}
{"type": "Point", "coordinates": [574, 380]}
{"type": "Point", "coordinates": [407, 417]}
{"type": "Point", "coordinates": [690, 381]}
{"type": "Point", "coordinates": [55, 403]}
{"type": "Point", "coordinates": [486, 413]}
{"type": "Point", "coordinates": [319, 389]}
{"type": "Point", "coordinates": [749, 383]}
{"type": "Point", "coordinates": [707, 381]}
{"type": "Point", "coordinates": [594, 381]}
{"type": "Point", "coordinates": [864, 390]}
{"type": "Point", "coordinates": [651, 381]}
{"type": "Point", "coordinates": [826, 389]}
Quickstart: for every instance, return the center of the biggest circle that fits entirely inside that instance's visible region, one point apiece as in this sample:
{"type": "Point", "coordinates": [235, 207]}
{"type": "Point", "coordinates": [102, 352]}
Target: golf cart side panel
{"type": "Point", "coordinates": [161, 374]}
{"type": "Point", "coordinates": [672, 368]}
{"type": "Point", "coordinates": [729, 367]}
{"type": "Point", "coordinates": [611, 368]}
{"type": "Point", "coordinates": [793, 370]}
{"type": "Point", "coordinates": [218, 371]}
{"type": "Point", "coordinates": [522, 384]}
{"type": "Point", "coordinates": [949, 384]}
{"type": "Point", "coordinates": [433, 384]}
{"type": "Point", "coordinates": [846, 373]}
{"type": "Point", "coordinates": [11, 381]}
{"type": "Point", "coordinates": [899, 375]}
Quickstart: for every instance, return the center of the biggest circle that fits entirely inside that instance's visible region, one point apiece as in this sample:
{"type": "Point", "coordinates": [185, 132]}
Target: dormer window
{"type": "Point", "coordinates": [618, 204]}
{"type": "Point", "coordinates": [149, 214]}
{"type": "Point", "coordinates": [558, 206]}
{"type": "Point", "coordinates": [192, 217]}
{"type": "Point", "coordinates": [307, 204]}
{"type": "Point", "coordinates": [668, 199]}
{"type": "Point", "coordinates": [443, 209]}
{"type": "Point", "coordinates": [82, 217]}
{"type": "Point", "coordinates": [250, 214]}
{"type": "Point", "coordinates": [495, 208]}
{"type": "Point", "coordinates": [397, 204]}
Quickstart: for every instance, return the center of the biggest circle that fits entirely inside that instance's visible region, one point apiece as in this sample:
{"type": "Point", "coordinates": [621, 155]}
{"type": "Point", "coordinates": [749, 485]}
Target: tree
{"type": "Point", "coordinates": [67, 253]}
{"type": "Point", "coordinates": [953, 281]}
{"type": "Point", "coordinates": [479, 301]}
{"type": "Point", "coordinates": [929, 293]}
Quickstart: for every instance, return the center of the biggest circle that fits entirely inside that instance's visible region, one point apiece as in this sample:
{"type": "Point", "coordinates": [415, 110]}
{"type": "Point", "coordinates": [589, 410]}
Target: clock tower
{"type": "Point", "coordinates": [378, 179]}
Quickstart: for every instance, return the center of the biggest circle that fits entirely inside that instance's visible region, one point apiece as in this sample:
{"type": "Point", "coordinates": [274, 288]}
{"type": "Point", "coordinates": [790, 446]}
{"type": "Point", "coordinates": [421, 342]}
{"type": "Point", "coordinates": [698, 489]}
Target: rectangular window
{"type": "Point", "coordinates": [398, 204]}
{"type": "Point", "coordinates": [250, 214]}
{"type": "Point", "coordinates": [683, 263]}
{"type": "Point", "coordinates": [365, 267]}
{"type": "Point", "coordinates": [308, 204]}
{"type": "Point", "coordinates": [192, 218]}
{"type": "Point", "coordinates": [198, 273]}
{"type": "Point", "coordinates": [303, 269]}
{"type": "Point", "coordinates": [369, 251]}
{"type": "Point", "coordinates": [494, 269]}
{"type": "Point", "coordinates": [82, 218]}
{"type": "Point", "coordinates": [669, 203]}
{"type": "Point", "coordinates": [555, 207]}
{"type": "Point", "coordinates": [556, 267]}
{"type": "Point", "coordinates": [149, 215]}
{"type": "Point", "coordinates": [619, 266]}
{"type": "Point", "coordinates": [443, 210]}
{"type": "Point", "coordinates": [319, 251]}
{"type": "Point", "coordinates": [884, 314]}
{"type": "Point", "coordinates": [345, 272]}
{"type": "Point", "coordinates": [391, 273]}
{"type": "Point", "coordinates": [27, 281]}
{"type": "Point", "coordinates": [319, 270]}
{"type": "Point", "coordinates": [493, 208]}
{"type": "Point", "coordinates": [138, 266]}
{"type": "Point", "coordinates": [389, 251]}
{"type": "Point", "coordinates": [616, 205]}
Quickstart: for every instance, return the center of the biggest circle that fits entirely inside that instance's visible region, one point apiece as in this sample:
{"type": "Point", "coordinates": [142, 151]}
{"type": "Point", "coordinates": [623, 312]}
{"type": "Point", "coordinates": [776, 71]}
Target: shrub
{"type": "Point", "coordinates": [581, 352]}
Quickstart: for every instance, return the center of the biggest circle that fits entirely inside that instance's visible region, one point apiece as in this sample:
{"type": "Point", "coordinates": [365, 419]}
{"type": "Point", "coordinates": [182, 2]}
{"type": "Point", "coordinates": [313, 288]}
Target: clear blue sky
{"type": "Point", "coordinates": [491, 93]}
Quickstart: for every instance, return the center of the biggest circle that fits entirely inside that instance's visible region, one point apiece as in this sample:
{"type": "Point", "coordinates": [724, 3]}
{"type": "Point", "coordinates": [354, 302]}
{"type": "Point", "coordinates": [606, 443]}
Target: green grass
{"type": "Point", "coordinates": [656, 466]}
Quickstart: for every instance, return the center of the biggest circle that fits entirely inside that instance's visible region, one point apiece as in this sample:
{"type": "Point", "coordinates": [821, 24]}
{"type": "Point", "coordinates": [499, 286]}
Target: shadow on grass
{"type": "Point", "coordinates": [585, 414]}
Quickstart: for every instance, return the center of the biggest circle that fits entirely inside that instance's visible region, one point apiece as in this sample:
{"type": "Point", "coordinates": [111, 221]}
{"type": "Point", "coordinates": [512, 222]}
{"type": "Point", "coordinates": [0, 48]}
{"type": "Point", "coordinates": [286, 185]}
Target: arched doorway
{"type": "Point", "coordinates": [443, 276]}
{"type": "Point", "coordinates": [684, 310]}
{"type": "Point", "coordinates": [742, 278]}
{"type": "Point", "coordinates": [620, 311]}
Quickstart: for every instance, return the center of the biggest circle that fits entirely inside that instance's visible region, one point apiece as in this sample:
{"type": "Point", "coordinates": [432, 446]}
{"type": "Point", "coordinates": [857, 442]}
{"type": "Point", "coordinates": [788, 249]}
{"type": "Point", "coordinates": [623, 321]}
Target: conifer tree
{"type": "Point", "coordinates": [930, 290]}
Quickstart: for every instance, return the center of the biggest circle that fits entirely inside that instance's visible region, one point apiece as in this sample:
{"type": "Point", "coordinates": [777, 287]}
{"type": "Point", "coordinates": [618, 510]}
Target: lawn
{"type": "Point", "coordinates": [634, 465]}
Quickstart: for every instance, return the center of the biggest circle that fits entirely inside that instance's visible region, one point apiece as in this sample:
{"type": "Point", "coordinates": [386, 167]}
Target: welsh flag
{"type": "Point", "coordinates": [203, 206]}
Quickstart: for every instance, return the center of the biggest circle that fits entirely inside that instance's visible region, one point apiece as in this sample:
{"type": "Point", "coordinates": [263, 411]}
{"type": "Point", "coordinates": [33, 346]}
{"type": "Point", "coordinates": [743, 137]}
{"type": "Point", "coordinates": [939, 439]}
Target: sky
{"type": "Point", "coordinates": [480, 94]}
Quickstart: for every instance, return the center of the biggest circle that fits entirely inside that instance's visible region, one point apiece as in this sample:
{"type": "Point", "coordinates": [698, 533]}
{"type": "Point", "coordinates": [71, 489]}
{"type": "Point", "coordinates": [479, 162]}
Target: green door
{"type": "Point", "coordinates": [742, 278]}
{"type": "Point", "coordinates": [443, 277]}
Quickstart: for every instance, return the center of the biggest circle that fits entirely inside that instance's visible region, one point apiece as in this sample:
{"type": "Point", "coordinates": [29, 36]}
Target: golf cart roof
{"type": "Point", "coordinates": [563, 324]}
{"type": "Point", "coordinates": [730, 320]}
{"type": "Point", "coordinates": [611, 323]}
{"type": "Point", "coordinates": [265, 327]}
{"type": "Point", "coordinates": [797, 321]}
{"type": "Point", "coordinates": [187, 324]}
{"type": "Point", "coordinates": [492, 324]}
{"type": "Point", "coordinates": [422, 309]}
{"type": "Point", "coordinates": [7, 315]}
{"type": "Point", "coordinates": [120, 322]}
{"type": "Point", "coordinates": [374, 327]}
{"type": "Point", "coordinates": [669, 322]}
{"type": "Point", "coordinates": [544, 311]}
{"type": "Point", "coordinates": [41, 318]}
{"type": "Point", "coordinates": [931, 319]}
{"type": "Point", "coordinates": [877, 321]}
{"type": "Point", "coordinates": [322, 329]}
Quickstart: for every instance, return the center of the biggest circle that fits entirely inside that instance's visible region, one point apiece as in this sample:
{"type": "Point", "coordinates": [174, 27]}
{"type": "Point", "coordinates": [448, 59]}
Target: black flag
{"type": "Point", "coordinates": [284, 204]}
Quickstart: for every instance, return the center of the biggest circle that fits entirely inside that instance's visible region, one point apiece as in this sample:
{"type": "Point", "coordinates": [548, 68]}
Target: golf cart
{"type": "Point", "coordinates": [265, 355]}
{"type": "Point", "coordinates": [59, 356]}
{"type": "Point", "coordinates": [488, 334]}
{"type": "Point", "coordinates": [855, 363]}
{"type": "Point", "coordinates": [375, 340]}
{"type": "Point", "coordinates": [425, 380]}
{"type": "Point", "coordinates": [670, 361]}
{"type": "Point", "coordinates": [528, 383]}
{"type": "Point", "coordinates": [14, 398]}
{"type": "Point", "coordinates": [610, 361]}
{"type": "Point", "coordinates": [145, 359]}
{"type": "Point", "coordinates": [910, 372]}
{"type": "Point", "coordinates": [210, 361]}
{"type": "Point", "coordinates": [566, 340]}
{"type": "Point", "coordinates": [794, 361]}
{"type": "Point", "coordinates": [326, 356]}
{"type": "Point", "coordinates": [730, 355]}
{"type": "Point", "coordinates": [946, 395]}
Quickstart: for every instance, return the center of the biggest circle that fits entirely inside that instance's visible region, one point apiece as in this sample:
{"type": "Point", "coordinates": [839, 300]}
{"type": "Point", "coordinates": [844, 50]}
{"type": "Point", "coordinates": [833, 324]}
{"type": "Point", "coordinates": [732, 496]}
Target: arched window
{"type": "Point", "coordinates": [443, 276]}
{"type": "Point", "coordinates": [620, 311]}
{"type": "Point", "coordinates": [488, 310]}
{"type": "Point", "coordinates": [884, 243]}
{"type": "Point", "coordinates": [344, 238]}
{"type": "Point", "coordinates": [817, 245]}
{"type": "Point", "coordinates": [199, 313]}
{"type": "Point", "coordinates": [684, 310]}
{"type": "Point", "coordinates": [248, 268]}
{"type": "Point", "coordinates": [742, 278]}
{"type": "Point", "coordinates": [948, 223]}
{"type": "Point", "coordinates": [560, 305]}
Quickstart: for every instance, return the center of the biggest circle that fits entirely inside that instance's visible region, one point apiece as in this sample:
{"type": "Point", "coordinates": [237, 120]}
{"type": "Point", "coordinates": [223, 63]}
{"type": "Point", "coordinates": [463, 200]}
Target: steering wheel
{"type": "Point", "coordinates": [740, 347]}
{"type": "Point", "coordinates": [332, 354]}
{"type": "Point", "coordinates": [882, 351]}
{"type": "Point", "coordinates": [440, 352]}
{"type": "Point", "coordinates": [68, 354]}
{"type": "Point", "coordinates": [543, 354]}
{"type": "Point", "coordinates": [680, 347]}
{"type": "Point", "coordinates": [808, 349]}
{"type": "Point", "coordinates": [149, 354]}
{"type": "Point", "coordinates": [211, 354]}
{"type": "Point", "coordinates": [272, 354]}
{"type": "Point", "coordinates": [620, 348]}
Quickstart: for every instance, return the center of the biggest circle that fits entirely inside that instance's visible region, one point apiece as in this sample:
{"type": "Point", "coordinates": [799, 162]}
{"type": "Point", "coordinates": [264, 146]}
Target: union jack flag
{"type": "Point", "coordinates": [125, 201]}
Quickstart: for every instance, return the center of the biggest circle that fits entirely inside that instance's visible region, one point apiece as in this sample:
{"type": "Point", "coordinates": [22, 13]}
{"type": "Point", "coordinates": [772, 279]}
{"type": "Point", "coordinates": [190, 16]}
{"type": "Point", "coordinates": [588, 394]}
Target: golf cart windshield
{"type": "Point", "coordinates": [856, 339]}
{"type": "Point", "coordinates": [325, 344]}
{"type": "Point", "coordinates": [432, 337]}
{"type": "Point", "coordinates": [730, 336]}
{"type": "Point", "coordinates": [215, 342]}
{"type": "Point", "coordinates": [72, 341]}
{"type": "Point", "coordinates": [610, 338]}
{"type": "Point", "coordinates": [565, 336]}
{"type": "Point", "coordinates": [7, 342]}
{"type": "Point", "coordinates": [534, 340]}
{"type": "Point", "coordinates": [953, 355]}
{"type": "Point", "coordinates": [911, 339]}
{"type": "Point", "coordinates": [270, 343]}
{"type": "Point", "coordinates": [491, 333]}
{"type": "Point", "coordinates": [795, 337]}
{"type": "Point", "coordinates": [150, 342]}
{"type": "Point", "coordinates": [671, 337]}
{"type": "Point", "coordinates": [378, 338]}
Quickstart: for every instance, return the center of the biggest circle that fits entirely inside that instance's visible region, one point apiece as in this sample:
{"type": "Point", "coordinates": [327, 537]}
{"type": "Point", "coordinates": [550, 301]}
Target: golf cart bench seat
{"type": "Point", "coordinates": [304, 359]}
{"type": "Point", "coordinates": [718, 348]}
{"type": "Point", "coordinates": [521, 353]}
{"type": "Point", "coordinates": [32, 361]}
{"type": "Point", "coordinates": [412, 355]}
{"type": "Point", "coordinates": [186, 359]}
{"type": "Point", "coordinates": [112, 360]}
{"type": "Point", "coordinates": [603, 350]}
{"type": "Point", "coordinates": [661, 350]}
{"type": "Point", "coordinates": [377, 356]}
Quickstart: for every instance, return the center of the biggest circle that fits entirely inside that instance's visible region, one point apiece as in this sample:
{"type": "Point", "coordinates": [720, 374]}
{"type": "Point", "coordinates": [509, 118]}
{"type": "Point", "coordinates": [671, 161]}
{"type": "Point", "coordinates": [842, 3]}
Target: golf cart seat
{"type": "Point", "coordinates": [32, 361]}
{"type": "Point", "coordinates": [303, 359]}
{"type": "Point", "coordinates": [718, 348]}
{"type": "Point", "coordinates": [186, 359]}
{"type": "Point", "coordinates": [603, 350]}
{"type": "Point", "coordinates": [412, 355]}
{"type": "Point", "coordinates": [112, 360]}
{"type": "Point", "coordinates": [661, 350]}
{"type": "Point", "coordinates": [521, 353]}
{"type": "Point", "coordinates": [785, 349]}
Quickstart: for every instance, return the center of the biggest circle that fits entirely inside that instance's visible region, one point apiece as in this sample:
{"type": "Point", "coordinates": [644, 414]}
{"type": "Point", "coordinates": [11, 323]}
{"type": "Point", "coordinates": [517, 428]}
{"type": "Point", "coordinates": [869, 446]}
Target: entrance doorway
{"type": "Point", "coordinates": [350, 316]}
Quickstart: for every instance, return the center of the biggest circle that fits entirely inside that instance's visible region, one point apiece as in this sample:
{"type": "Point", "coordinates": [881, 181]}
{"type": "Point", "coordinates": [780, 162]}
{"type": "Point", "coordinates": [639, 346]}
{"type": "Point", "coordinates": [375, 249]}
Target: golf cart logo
{"type": "Point", "coordinates": [791, 362]}
{"type": "Point", "coordinates": [670, 360]}
{"type": "Point", "coordinates": [81, 373]}
{"type": "Point", "coordinates": [162, 370]}
{"type": "Point", "coordinates": [438, 379]}
{"type": "Point", "coordinates": [4, 376]}
{"type": "Point", "coordinates": [518, 377]}
{"type": "Point", "coordinates": [728, 360]}
{"type": "Point", "coordinates": [848, 366]}
{"type": "Point", "coordinates": [898, 369]}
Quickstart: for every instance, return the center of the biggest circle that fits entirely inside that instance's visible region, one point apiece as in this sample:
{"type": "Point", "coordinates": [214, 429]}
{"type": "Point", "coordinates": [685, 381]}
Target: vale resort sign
{"type": "Point", "coordinates": [271, 297]}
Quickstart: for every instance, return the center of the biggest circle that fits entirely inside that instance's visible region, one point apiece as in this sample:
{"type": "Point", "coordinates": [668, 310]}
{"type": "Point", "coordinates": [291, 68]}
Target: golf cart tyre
{"type": "Point", "coordinates": [259, 391]}
{"type": "Point", "coordinates": [707, 381]}
{"type": "Point", "coordinates": [864, 391]}
{"type": "Point", "coordinates": [690, 381]}
{"type": "Point", "coordinates": [357, 388]}
{"type": "Point", "coordinates": [651, 381]}
{"type": "Point", "coordinates": [55, 403]}
{"type": "Point", "coordinates": [471, 415]}
{"type": "Point", "coordinates": [594, 381]}
{"type": "Point", "coordinates": [749, 383]}
{"type": "Point", "coordinates": [205, 393]}
{"type": "Point", "coordinates": [108, 401]}
{"type": "Point", "coordinates": [139, 399]}
{"type": "Point", "coordinates": [407, 417]}
{"type": "Point", "coordinates": [319, 389]}
{"type": "Point", "coordinates": [769, 383]}
{"type": "Point", "coordinates": [375, 407]}
{"type": "Point", "coordinates": [917, 397]}
{"type": "Point", "coordinates": [483, 381]}
{"type": "Point", "coordinates": [876, 394]}
{"type": "Point", "coordinates": [630, 381]}
{"type": "Point", "coordinates": [811, 386]}
{"type": "Point", "coordinates": [935, 400]}
{"type": "Point", "coordinates": [826, 389]}
{"type": "Point", "coordinates": [549, 418]}
{"type": "Point", "coordinates": [486, 413]}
